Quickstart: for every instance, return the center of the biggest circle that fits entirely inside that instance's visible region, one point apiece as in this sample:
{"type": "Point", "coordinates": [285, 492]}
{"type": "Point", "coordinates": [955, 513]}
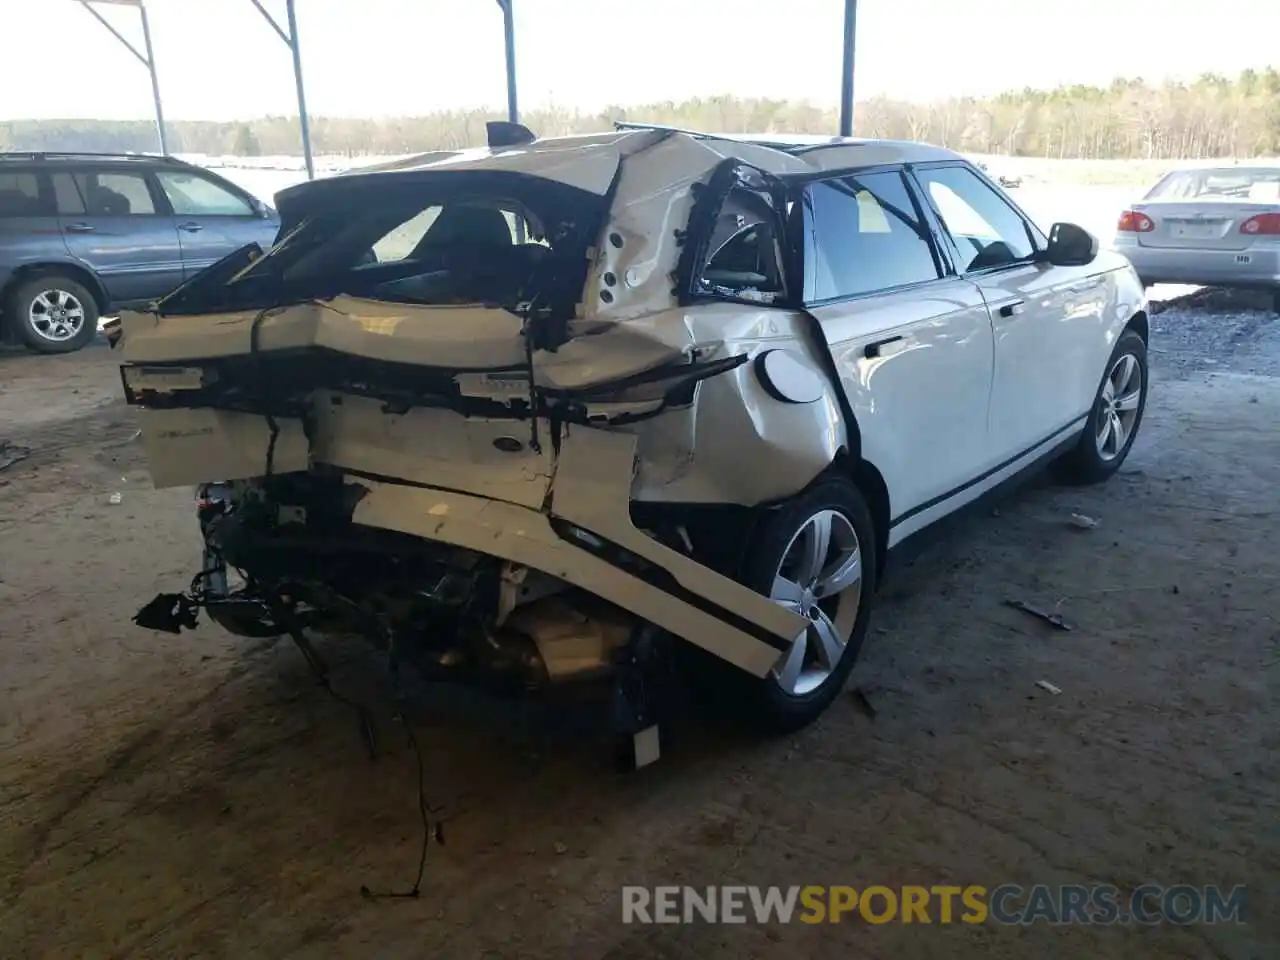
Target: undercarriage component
{"type": "Point", "coordinates": [168, 613]}
{"type": "Point", "coordinates": [570, 643]}
{"type": "Point", "coordinates": [643, 692]}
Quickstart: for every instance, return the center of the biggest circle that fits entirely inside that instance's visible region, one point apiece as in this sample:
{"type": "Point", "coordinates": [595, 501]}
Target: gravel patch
{"type": "Point", "coordinates": [1213, 329]}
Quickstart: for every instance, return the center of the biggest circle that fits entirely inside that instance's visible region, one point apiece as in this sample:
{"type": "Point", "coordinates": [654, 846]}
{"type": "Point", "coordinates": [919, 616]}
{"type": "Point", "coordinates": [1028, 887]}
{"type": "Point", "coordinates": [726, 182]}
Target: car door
{"type": "Point", "coordinates": [1047, 320]}
{"type": "Point", "coordinates": [911, 345]}
{"type": "Point", "coordinates": [28, 222]}
{"type": "Point", "coordinates": [113, 224]}
{"type": "Point", "coordinates": [213, 219]}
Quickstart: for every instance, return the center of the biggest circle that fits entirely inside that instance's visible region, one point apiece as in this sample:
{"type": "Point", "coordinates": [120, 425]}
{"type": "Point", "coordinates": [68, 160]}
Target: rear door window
{"type": "Point", "coordinates": [20, 194]}
{"type": "Point", "coordinates": [67, 194]}
{"type": "Point", "coordinates": [867, 236]}
{"type": "Point", "coordinates": [112, 194]}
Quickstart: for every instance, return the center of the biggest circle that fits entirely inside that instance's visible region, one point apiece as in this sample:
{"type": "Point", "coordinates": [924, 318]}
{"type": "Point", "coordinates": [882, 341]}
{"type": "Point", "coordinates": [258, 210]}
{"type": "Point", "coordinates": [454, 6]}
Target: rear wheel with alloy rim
{"type": "Point", "coordinates": [53, 314]}
{"type": "Point", "coordinates": [815, 556]}
{"type": "Point", "coordinates": [1115, 418]}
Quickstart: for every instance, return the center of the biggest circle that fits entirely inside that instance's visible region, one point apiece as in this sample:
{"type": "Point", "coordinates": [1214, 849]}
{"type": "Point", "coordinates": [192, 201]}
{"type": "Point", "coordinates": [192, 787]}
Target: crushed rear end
{"type": "Point", "coordinates": [436, 448]}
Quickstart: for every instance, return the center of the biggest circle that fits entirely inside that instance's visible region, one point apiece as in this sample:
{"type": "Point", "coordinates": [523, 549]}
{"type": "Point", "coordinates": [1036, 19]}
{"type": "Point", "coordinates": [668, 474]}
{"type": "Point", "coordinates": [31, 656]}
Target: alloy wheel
{"type": "Point", "coordinates": [1120, 403]}
{"type": "Point", "coordinates": [56, 315]}
{"type": "Point", "coordinates": [820, 578]}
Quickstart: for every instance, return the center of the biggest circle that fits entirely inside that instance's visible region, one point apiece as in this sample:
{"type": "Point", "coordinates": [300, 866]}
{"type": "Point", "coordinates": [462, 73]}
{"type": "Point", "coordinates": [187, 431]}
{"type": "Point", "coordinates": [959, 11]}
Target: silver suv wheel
{"type": "Point", "coordinates": [56, 315]}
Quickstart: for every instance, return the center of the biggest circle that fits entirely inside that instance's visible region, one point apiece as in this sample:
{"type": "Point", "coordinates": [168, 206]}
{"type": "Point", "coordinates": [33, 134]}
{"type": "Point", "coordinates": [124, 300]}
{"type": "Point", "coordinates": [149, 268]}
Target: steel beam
{"type": "Point", "coordinates": [290, 38]}
{"type": "Point", "coordinates": [509, 40]}
{"type": "Point", "coordinates": [846, 78]}
{"type": "Point", "coordinates": [147, 59]}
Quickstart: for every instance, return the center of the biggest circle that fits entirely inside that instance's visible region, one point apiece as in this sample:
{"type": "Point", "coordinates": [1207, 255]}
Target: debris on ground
{"type": "Point", "coordinates": [115, 499]}
{"type": "Point", "coordinates": [1053, 619]}
{"type": "Point", "coordinates": [861, 702]}
{"type": "Point", "coordinates": [11, 453]}
{"type": "Point", "coordinates": [1051, 687]}
{"type": "Point", "coordinates": [1082, 522]}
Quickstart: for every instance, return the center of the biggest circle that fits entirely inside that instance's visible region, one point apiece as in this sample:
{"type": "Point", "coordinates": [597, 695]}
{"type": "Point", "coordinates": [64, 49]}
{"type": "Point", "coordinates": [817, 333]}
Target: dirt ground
{"type": "Point", "coordinates": [199, 796]}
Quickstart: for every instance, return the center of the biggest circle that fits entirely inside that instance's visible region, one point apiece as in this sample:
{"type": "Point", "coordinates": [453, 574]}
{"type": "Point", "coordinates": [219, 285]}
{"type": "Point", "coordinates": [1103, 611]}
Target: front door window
{"type": "Point", "coordinates": [987, 231]}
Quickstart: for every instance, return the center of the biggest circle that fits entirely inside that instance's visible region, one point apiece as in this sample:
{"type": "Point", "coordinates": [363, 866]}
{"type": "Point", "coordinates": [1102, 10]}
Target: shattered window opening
{"type": "Point", "coordinates": [501, 241]}
{"type": "Point", "coordinates": [744, 261]}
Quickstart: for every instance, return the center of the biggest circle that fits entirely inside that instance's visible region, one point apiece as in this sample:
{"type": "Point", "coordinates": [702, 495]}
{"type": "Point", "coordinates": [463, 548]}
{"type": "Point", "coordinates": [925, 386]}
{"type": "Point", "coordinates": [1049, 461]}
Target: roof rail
{"type": "Point", "coordinates": [628, 125]}
{"type": "Point", "coordinates": [89, 155]}
{"type": "Point", "coordinates": [780, 145]}
{"type": "Point", "coordinates": [700, 135]}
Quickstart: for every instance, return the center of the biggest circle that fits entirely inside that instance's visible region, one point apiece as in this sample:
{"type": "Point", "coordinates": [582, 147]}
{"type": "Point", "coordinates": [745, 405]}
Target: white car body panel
{"type": "Point", "coordinates": [1050, 354]}
{"type": "Point", "coordinates": [933, 371]}
{"type": "Point", "coordinates": [1046, 328]}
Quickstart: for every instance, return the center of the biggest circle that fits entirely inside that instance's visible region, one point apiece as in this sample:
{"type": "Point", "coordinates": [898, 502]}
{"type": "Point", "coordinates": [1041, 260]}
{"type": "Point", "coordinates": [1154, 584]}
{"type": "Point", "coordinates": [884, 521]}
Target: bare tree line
{"type": "Point", "coordinates": [1214, 116]}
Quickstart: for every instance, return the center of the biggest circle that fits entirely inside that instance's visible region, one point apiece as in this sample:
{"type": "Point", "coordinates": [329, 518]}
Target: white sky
{"type": "Point", "coordinates": [218, 60]}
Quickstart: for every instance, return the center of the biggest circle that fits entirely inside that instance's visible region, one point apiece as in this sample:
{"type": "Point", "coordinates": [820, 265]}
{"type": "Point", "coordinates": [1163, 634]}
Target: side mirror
{"type": "Point", "coordinates": [1071, 246]}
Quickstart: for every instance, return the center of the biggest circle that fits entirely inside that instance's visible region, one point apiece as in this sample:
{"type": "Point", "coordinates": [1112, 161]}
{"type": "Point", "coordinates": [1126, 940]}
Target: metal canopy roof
{"type": "Point", "coordinates": [290, 38]}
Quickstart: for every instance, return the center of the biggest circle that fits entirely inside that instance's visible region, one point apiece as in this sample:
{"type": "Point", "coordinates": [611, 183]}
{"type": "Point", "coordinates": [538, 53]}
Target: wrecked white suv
{"type": "Point", "coordinates": [533, 410]}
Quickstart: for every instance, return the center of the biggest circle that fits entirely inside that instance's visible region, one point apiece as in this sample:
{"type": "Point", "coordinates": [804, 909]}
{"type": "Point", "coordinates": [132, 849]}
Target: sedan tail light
{"type": "Point", "coordinates": [1262, 225]}
{"type": "Point", "coordinates": [1131, 221]}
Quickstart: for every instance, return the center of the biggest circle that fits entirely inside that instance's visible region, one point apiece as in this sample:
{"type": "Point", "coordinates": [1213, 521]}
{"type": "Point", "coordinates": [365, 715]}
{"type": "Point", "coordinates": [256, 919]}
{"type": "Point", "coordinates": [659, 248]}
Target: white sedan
{"type": "Point", "coordinates": [524, 410]}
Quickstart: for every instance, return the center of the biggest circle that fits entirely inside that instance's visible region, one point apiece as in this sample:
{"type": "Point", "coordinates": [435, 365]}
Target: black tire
{"type": "Point", "coordinates": [1085, 463]}
{"type": "Point", "coordinates": [767, 706]}
{"type": "Point", "coordinates": [67, 291]}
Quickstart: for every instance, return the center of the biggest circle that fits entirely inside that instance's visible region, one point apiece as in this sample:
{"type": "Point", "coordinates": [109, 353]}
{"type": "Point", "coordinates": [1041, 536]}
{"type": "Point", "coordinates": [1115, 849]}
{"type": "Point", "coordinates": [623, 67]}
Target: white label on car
{"type": "Point", "coordinates": [1195, 231]}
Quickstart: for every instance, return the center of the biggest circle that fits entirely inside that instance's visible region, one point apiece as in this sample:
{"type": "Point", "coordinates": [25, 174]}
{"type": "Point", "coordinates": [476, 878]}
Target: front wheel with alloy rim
{"type": "Point", "coordinates": [815, 555]}
{"type": "Point", "coordinates": [1115, 418]}
{"type": "Point", "coordinates": [53, 314]}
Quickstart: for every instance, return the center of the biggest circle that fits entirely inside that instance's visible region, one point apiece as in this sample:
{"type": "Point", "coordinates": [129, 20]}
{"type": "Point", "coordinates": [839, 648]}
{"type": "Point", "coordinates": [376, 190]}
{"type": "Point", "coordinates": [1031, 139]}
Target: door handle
{"type": "Point", "coordinates": [78, 228]}
{"type": "Point", "coordinates": [885, 348]}
{"type": "Point", "coordinates": [190, 227]}
{"type": "Point", "coordinates": [1012, 309]}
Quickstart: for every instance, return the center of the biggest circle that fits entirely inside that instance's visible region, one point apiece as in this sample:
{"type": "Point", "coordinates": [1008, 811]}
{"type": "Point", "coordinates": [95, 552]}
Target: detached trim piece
{"type": "Point", "coordinates": [526, 536]}
{"type": "Point", "coordinates": [626, 561]}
